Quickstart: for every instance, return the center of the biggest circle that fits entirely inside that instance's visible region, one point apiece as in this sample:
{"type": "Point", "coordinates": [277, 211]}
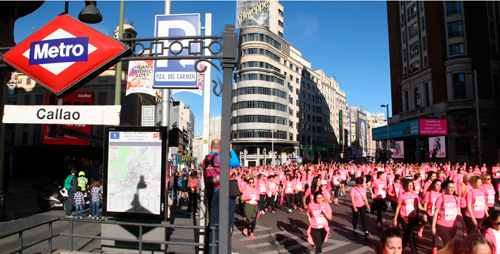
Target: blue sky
{"type": "Point", "coordinates": [347, 40]}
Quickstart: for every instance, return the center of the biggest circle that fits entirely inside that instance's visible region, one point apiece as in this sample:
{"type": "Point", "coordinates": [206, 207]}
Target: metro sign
{"type": "Point", "coordinates": [65, 54]}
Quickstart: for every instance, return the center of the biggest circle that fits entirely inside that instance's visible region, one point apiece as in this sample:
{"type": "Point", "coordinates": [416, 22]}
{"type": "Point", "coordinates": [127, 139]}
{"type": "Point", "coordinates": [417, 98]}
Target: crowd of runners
{"type": "Point", "coordinates": [430, 195]}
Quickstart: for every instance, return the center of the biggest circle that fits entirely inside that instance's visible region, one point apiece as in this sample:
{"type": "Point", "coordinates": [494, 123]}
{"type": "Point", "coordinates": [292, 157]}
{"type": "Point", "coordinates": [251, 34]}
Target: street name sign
{"type": "Point", "coordinates": [169, 74]}
{"type": "Point", "coordinates": [45, 114]}
{"type": "Point", "coordinates": [65, 54]}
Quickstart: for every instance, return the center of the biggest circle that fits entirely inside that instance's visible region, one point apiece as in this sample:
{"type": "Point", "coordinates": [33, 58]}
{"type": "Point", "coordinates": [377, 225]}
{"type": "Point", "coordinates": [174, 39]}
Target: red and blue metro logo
{"type": "Point", "coordinates": [65, 54]}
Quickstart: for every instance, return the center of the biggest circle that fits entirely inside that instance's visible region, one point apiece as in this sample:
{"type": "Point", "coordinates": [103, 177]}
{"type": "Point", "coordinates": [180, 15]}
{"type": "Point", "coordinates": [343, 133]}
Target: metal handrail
{"type": "Point", "coordinates": [71, 235]}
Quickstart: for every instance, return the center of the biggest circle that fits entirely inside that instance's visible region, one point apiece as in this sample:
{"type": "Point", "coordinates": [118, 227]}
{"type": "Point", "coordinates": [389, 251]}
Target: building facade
{"type": "Point", "coordinates": [279, 101]}
{"type": "Point", "coordinates": [441, 70]}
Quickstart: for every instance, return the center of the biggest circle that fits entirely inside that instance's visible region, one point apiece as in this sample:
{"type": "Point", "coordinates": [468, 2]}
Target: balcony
{"type": "Point", "coordinates": [460, 104]}
{"type": "Point", "coordinates": [416, 113]}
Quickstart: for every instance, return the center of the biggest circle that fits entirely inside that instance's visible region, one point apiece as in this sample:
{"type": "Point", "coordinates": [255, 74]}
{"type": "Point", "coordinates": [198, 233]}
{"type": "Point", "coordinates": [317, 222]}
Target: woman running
{"type": "Point", "coordinates": [251, 198]}
{"type": "Point", "coordinates": [476, 204]}
{"type": "Point", "coordinates": [430, 198]}
{"type": "Point", "coordinates": [318, 214]}
{"type": "Point", "coordinates": [379, 190]}
{"type": "Point", "coordinates": [359, 204]}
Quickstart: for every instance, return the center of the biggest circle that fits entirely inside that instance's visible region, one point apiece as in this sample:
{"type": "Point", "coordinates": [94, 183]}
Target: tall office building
{"type": "Point", "coordinates": [278, 99]}
{"type": "Point", "coordinates": [435, 50]}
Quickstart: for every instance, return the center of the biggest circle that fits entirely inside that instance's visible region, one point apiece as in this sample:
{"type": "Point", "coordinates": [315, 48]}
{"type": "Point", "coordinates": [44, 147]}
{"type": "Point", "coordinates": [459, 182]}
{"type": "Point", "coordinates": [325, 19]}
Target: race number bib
{"type": "Point", "coordinates": [491, 199]}
{"type": "Point", "coordinates": [479, 205]}
{"type": "Point", "coordinates": [410, 209]}
{"type": "Point", "coordinates": [336, 182]}
{"type": "Point", "coordinates": [450, 214]}
{"type": "Point", "coordinates": [288, 189]}
{"type": "Point", "coordinates": [320, 221]}
{"type": "Point", "coordinates": [262, 188]}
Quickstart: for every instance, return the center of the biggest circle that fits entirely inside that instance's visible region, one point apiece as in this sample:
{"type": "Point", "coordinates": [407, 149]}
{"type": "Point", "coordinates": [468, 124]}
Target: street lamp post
{"type": "Point", "coordinates": [388, 138]}
{"type": "Point", "coordinates": [477, 112]}
{"type": "Point", "coordinates": [272, 147]}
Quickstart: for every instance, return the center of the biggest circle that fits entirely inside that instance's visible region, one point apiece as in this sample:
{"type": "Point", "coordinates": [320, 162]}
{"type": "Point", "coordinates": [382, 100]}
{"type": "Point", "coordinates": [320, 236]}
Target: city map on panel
{"type": "Point", "coordinates": [134, 172]}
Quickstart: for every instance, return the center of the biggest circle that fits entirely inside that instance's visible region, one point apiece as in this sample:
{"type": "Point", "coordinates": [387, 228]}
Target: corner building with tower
{"type": "Point", "coordinates": [278, 100]}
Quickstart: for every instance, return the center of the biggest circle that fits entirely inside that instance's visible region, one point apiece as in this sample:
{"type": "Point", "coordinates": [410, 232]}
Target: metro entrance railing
{"type": "Point", "coordinates": [22, 246]}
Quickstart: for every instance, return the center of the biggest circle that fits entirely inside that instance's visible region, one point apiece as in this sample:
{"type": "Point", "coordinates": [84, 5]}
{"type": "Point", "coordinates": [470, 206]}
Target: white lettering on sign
{"type": "Point", "coordinates": [176, 76]}
{"type": "Point", "coordinates": [54, 51]}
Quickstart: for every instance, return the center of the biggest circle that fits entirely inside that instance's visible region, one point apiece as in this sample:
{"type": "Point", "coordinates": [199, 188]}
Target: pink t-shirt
{"type": "Point", "coordinates": [463, 200]}
{"type": "Point", "coordinates": [343, 174]}
{"type": "Point", "coordinates": [395, 189]}
{"type": "Point", "coordinates": [379, 188]}
{"type": "Point", "coordinates": [448, 210]}
{"type": "Point", "coordinates": [272, 188]}
{"type": "Point", "coordinates": [318, 219]}
{"type": "Point", "coordinates": [359, 194]}
{"type": "Point", "coordinates": [495, 172]}
{"type": "Point", "coordinates": [478, 201]}
{"type": "Point", "coordinates": [431, 197]}
{"type": "Point", "coordinates": [251, 193]}
{"type": "Point", "coordinates": [299, 185]}
{"type": "Point", "coordinates": [427, 185]}
{"type": "Point", "coordinates": [289, 186]}
{"type": "Point", "coordinates": [310, 193]}
{"type": "Point", "coordinates": [417, 186]}
{"type": "Point", "coordinates": [489, 191]}
{"type": "Point", "coordinates": [390, 179]}
{"type": "Point", "coordinates": [409, 204]}
{"type": "Point", "coordinates": [336, 180]}
{"type": "Point", "coordinates": [261, 184]}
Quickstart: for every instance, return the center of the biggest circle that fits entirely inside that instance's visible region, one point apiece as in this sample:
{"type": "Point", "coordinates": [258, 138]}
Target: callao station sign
{"type": "Point", "coordinates": [62, 56]}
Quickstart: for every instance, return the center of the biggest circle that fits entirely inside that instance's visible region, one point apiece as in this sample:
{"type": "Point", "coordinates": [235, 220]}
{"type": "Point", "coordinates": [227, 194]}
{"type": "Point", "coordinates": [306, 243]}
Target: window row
{"type": "Point", "coordinates": [259, 119]}
{"type": "Point", "coordinates": [259, 134]}
{"type": "Point", "coordinates": [265, 52]}
{"type": "Point", "coordinates": [259, 90]}
{"type": "Point", "coordinates": [259, 104]}
{"type": "Point", "coordinates": [261, 37]}
{"type": "Point", "coordinates": [259, 65]}
{"type": "Point", "coordinates": [263, 77]}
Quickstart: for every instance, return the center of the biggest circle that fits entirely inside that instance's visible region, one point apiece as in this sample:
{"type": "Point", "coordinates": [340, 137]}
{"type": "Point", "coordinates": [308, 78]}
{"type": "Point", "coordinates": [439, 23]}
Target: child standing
{"type": "Point", "coordinates": [95, 199]}
{"type": "Point", "coordinates": [79, 201]}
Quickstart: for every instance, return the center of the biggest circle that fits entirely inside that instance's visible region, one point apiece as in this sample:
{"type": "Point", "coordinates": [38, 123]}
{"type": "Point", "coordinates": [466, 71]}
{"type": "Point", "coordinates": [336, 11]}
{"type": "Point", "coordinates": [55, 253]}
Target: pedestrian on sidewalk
{"type": "Point", "coordinates": [359, 205]}
{"type": "Point", "coordinates": [318, 214]}
{"type": "Point", "coordinates": [95, 199]}
{"type": "Point", "coordinates": [194, 187]}
{"type": "Point", "coordinates": [251, 197]}
{"type": "Point", "coordinates": [70, 185]}
{"type": "Point", "coordinates": [79, 201]}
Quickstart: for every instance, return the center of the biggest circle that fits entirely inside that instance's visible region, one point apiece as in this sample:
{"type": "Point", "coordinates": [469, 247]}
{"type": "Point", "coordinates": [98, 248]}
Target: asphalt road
{"type": "Point", "coordinates": [281, 232]}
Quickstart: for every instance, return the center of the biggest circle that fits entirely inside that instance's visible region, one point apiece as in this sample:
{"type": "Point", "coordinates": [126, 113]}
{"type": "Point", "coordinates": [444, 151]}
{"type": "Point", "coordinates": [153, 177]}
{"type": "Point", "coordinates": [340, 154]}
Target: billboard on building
{"type": "Point", "coordinates": [362, 133]}
{"type": "Point", "coordinates": [140, 77]}
{"type": "Point", "coordinates": [433, 127]}
{"type": "Point", "coordinates": [50, 131]}
{"type": "Point", "coordinates": [437, 147]}
{"type": "Point", "coordinates": [398, 149]}
{"type": "Point", "coordinates": [253, 13]}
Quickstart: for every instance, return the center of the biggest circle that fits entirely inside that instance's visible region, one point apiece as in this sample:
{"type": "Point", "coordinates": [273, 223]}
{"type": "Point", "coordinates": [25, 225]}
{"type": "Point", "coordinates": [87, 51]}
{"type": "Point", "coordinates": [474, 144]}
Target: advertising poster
{"type": "Point", "coordinates": [398, 149]}
{"type": "Point", "coordinates": [353, 143]}
{"type": "Point", "coordinates": [433, 127]}
{"type": "Point", "coordinates": [437, 147]}
{"type": "Point", "coordinates": [51, 132]}
{"type": "Point", "coordinates": [362, 134]}
{"type": "Point", "coordinates": [133, 170]}
{"type": "Point", "coordinates": [253, 13]}
{"type": "Point", "coordinates": [348, 129]}
{"type": "Point", "coordinates": [140, 78]}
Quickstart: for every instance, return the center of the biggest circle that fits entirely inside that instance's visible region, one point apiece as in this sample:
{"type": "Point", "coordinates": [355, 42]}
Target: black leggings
{"type": "Point", "coordinates": [379, 204]}
{"type": "Point", "coordinates": [298, 199]}
{"type": "Point", "coordinates": [470, 224]}
{"type": "Point", "coordinates": [270, 203]}
{"type": "Point", "coordinates": [394, 205]}
{"type": "Point", "coordinates": [289, 199]}
{"type": "Point", "coordinates": [251, 224]}
{"type": "Point", "coordinates": [318, 235]}
{"type": "Point", "coordinates": [336, 191]}
{"type": "Point", "coordinates": [446, 234]}
{"type": "Point", "coordinates": [361, 211]}
{"type": "Point", "coordinates": [193, 202]}
{"type": "Point", "coordinates": [408, 235]}
{"type": "Point", "coordinates": [262, 200]}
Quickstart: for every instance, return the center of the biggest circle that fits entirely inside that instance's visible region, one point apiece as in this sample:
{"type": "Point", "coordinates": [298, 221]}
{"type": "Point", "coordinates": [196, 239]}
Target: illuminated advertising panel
{"type": "Point", "coordinates": [50, 131]}
{"type": "Point", "coordinates": [253, 13]}
{"type": "Point", "coordinates": [437, 147]}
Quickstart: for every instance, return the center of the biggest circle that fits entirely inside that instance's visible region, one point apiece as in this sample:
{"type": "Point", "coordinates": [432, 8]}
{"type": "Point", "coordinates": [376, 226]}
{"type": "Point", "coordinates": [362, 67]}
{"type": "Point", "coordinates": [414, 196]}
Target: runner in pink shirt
{"type": "Point", "coordinates": [336, 180]}
{"type": "Point", "coordinates": [429, 202]}
{"type": "Point", "coordinates": [359, 205]}
{"type": "Point", "coordinates": [444, 221]}
{"type": "Point", "coordinates": [299, 190]}
{"type": "Point", "coordinates": [431, 175]}
{"type": "Point", "coordinates": [318, 214]}
{"type": "Point", "coordinates": [315, 187]}
{"type": "Point", "coordinates": [378, 190]}
{"type": "Point", "coordinates": [394, 190]}
{"type": "Point", "coordinates": [476, 204]}
{"type": "Point", "coordinates": [407, 212]}
{"type": "Point", "coordinates": [272, 193]}
{"type": "Point", "coordinates": [417, 181]}
{"type": "Point", "coordinates": [288, 190]}
{"type": "Point", "coordinates": [495, 172]}
{"type": "Point", "coordinates": [343, 176]}
{"type": "Point", "coordinates": [261, 185]}
{"type": "Point", "coordinates": [489, 191]}
{"type": "Point", "coordinates": [251, 198]}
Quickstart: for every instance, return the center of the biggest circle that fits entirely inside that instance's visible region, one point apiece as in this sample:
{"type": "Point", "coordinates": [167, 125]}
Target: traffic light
{"type": "Point", "coordinates": [340, 117]}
